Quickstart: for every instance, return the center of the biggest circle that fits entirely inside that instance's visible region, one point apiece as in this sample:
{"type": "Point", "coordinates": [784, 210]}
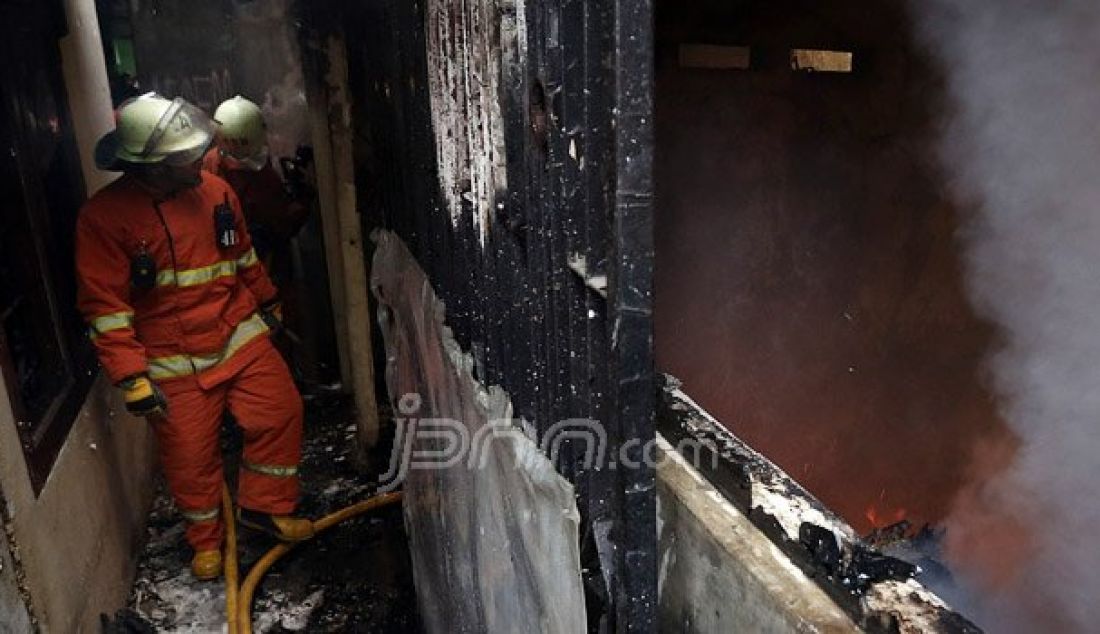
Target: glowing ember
{"type": "Point", "coordinates": [882, 519]}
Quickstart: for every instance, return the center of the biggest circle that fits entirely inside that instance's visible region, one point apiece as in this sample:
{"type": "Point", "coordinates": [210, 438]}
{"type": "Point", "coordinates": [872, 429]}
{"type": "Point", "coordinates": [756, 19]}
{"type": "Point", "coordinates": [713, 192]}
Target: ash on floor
{"type": "Point", "coordinates": [355, 577]}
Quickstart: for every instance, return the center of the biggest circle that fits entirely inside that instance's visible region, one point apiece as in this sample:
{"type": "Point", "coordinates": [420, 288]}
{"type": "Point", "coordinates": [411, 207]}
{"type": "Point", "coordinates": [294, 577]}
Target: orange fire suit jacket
{"type": "Point", "coordinates": [200, 317]}
{"type": "Point", "coordinates": [263, 198]}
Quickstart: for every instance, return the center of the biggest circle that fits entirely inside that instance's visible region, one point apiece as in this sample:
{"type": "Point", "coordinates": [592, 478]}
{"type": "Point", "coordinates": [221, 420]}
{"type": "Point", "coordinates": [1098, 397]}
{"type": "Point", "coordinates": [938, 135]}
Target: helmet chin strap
{"type": "Point", "coordinates": [164, 181]}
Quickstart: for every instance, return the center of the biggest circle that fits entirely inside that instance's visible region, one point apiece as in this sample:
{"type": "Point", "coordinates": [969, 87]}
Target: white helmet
{"type": "Point", "coordinates": [151, 129]}
{"type": "Point", "coordinates": [242, 138]}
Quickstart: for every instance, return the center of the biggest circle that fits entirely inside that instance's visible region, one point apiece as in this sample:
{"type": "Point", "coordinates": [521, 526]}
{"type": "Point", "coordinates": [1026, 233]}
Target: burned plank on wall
{"type": "Point", "coordinates": [880, 593]}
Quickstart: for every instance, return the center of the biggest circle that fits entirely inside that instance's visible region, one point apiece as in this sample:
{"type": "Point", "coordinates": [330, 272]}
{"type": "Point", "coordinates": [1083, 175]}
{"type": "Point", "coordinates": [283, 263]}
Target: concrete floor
{"type": "Point", "coordinates": [355, 577]}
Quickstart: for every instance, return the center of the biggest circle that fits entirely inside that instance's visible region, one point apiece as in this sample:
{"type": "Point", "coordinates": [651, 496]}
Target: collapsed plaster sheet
{"type": "Point", "coordinates": [494, 540]}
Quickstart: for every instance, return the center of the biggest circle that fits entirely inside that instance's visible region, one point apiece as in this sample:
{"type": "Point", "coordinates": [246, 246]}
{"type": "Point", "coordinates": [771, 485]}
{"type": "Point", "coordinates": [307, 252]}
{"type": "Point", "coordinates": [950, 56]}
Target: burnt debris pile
{"type": "Point", "coordinates": [355, 577]}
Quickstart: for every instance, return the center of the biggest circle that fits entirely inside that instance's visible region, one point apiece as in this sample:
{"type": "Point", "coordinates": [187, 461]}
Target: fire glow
{"type": "Point", "coordinates": [881, 519]}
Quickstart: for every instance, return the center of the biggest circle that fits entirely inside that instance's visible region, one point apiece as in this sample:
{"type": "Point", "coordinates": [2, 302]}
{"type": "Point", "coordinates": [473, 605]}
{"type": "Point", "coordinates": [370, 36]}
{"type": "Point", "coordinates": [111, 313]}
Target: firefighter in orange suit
{"type": "Point", "coordinates": [180, 310]}
{"type": "Point", "coordinates": [241, 157]}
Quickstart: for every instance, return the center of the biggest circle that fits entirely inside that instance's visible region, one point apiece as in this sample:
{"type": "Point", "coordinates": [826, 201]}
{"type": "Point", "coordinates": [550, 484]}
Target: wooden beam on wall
{"type": "Point", "coordinates": [330, 122]}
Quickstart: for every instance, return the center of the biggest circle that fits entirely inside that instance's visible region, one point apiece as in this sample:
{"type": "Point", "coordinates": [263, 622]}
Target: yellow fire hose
{"type": "Point", "coordinates": [231, 572]}
{"type": "Point", "coordinates": [238, 599]}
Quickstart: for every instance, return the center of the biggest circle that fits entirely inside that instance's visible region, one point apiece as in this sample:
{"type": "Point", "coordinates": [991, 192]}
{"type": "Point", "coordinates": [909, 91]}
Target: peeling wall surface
{"type": "Point", "coordinates": [464, 80]}
{"type": "Point", "coordinates": [492, 527]}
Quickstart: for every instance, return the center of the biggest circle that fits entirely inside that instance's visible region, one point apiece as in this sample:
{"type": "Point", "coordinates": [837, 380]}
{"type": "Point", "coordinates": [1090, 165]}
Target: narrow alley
{"type": "Point", "coordinates": [554, 316]}
{"type": "Point", "coordinates": [318, 587]}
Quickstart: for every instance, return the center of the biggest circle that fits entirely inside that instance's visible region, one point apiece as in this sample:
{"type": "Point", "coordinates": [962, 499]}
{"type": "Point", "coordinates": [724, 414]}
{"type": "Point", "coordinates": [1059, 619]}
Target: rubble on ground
{"type": "Point", "coordinates": [354, 577]}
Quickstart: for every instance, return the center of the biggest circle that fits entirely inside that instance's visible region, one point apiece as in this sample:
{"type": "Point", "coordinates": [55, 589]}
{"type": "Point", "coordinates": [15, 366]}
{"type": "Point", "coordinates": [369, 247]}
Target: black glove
{"type": "Point", "coordinates": [272, 314]}
{"type": "Point", "coordinates": [143, 397]}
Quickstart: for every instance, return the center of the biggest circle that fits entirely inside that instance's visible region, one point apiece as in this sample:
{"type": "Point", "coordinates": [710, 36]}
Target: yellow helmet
{"type": "Point", "coordinates": [152, 129]}
{"type": "Point", "coordinates": [242, 138]}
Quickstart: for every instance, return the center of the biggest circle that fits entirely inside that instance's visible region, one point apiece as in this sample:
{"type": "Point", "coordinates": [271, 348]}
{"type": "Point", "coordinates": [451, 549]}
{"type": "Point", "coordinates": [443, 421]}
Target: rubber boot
{"type": "Point", "coordinates": [206, 565]}
{"type": "Point", "coordinates": [285, 528]}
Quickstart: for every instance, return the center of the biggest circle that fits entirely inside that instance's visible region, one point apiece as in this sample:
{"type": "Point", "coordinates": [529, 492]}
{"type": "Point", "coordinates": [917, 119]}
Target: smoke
{"type": "Point", "coordinates": [1021, 143]}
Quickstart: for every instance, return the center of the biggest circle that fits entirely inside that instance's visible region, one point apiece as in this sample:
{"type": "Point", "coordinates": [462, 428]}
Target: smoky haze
{"type": "Point", "coordinates": [809, 289]}
{"type": "Point", "coordinates": [1021, 143]}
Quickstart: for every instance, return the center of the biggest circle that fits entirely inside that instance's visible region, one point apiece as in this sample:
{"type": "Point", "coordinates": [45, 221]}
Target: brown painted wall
{"type": "Point", "coordinates": [808, 280]}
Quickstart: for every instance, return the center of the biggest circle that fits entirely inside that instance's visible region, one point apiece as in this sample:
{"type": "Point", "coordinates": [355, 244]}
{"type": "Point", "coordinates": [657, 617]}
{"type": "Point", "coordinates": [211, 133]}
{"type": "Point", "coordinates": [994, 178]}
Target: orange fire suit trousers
{"type": "Point", "coordinates": [264, 400]}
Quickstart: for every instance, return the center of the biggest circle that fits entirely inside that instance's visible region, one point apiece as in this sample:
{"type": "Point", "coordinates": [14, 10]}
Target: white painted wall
{"type": "Point", "coordinates": [77, 539]}
{"type": "Point", "coordinates": [86, 81]}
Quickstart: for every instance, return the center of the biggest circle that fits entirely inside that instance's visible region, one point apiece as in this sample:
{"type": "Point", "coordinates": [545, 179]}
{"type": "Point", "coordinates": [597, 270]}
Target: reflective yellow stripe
{"type": "Point", "coordinates": [201, 515]}
{"type": "Point", "coordinates": [167, 277]}
{"type": "Point", "coordinates": [195, 277]}
{"type": "Point", "coordinates": [246, 331]}
{"type": "Point", "coordinates": [170, 367]}
{"type": "Point", "coordinates": [248, 259]}
{"type": "Point", "coordinates": [206, 274]}
{"type": "Point", "coordinates": [183, 365]}
{"type": "Point", "coordinates": [277, 471]}
{"type": "Point", "coordinates": [107, 323]}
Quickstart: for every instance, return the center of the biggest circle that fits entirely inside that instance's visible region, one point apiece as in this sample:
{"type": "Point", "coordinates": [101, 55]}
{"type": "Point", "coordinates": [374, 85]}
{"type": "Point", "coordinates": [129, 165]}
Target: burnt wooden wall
{"type": "Point", "coordinates": [574, 96]}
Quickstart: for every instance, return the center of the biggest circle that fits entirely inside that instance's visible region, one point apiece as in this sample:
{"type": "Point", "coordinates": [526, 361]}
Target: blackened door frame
{"type": "Point", "coordinates": [44, 188]}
